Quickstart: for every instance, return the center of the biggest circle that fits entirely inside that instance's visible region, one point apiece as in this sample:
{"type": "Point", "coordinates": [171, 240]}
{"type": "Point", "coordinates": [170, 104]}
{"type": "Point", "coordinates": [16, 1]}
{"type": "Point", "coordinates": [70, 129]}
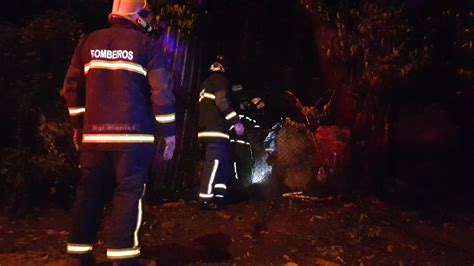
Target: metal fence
{"type": "Point", "coordinates": [183, 54]}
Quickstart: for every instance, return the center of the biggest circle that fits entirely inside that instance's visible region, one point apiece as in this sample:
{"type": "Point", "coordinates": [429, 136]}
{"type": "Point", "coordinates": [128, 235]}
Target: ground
{"type": "Point", "coordinates": [289, 231]}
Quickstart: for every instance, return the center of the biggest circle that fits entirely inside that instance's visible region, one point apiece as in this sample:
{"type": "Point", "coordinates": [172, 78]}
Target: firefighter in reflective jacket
{"type": "Point", "coordinates": [119, 95]}
{"type": "Point", "coordinates": [216, 117]}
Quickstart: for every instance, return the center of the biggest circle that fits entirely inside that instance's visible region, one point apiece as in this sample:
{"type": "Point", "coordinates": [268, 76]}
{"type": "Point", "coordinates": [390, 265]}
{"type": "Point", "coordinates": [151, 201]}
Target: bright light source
{"type": "Point", "coordinates": [261, 170]}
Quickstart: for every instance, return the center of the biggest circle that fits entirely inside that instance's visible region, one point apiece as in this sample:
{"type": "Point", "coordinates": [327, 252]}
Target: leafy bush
{"type": "Point", "coordinates": [39, 164]}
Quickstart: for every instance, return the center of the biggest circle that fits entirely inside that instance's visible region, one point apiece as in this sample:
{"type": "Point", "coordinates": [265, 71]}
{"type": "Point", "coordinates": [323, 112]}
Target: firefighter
{"type": "Point", "coordinates": [216, 118]}
{"type": "Point", "coordinates": [118, 95]}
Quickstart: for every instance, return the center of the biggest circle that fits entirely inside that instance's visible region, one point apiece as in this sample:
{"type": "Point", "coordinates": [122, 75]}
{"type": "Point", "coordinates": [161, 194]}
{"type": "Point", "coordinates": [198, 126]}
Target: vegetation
{"type": "Point", "coordinates": [38, 167]}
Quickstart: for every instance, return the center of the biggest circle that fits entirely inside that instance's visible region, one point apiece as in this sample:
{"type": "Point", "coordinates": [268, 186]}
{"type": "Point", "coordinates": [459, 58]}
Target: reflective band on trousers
{"type": "Point", "coordinates": [126, 253]}
{"type": "Point", "coordinates": [230, 116]}
{"type": "Point", "coordinates": [220, 186]}
{"type": "Point", "coordinates": [235, 171]}
{"type": "Point", "coordinates": [115, 65]}
{"type": "Point", "coordinates": [164, 119]}
{"type": "Point", "coordinates": [79, 248]}
{"type": "Point", "coordinates": [139, 219]}
{"type": "Point", "coordinates": [213, 134]}
{"type": "Point", "coordinates": [73, 111]}
{"type": "Point", "coordinates": [213, 176]}
{"type": "Point", "coordinates": [117, 138]}
{"type": "Point", "coordinates": [206, 196]}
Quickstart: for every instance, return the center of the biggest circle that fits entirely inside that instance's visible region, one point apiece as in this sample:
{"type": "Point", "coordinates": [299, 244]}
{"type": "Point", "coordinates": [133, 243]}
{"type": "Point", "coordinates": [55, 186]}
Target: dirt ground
{"type": "Point", "coordinates": [290, 231]}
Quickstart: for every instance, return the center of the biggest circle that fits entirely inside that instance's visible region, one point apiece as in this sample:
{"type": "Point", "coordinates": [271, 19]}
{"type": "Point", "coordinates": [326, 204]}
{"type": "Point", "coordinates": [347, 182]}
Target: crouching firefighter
{"type": "Point", "coordinates": [118, 96]}
{"type": "Point", "coordinates": [216, 117]}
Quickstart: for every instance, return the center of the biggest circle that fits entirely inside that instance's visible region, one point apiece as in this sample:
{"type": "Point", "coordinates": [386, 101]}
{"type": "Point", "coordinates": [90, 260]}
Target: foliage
{"type": "Point", "coordinates": [180, 15]}
{"type": "Point", "coordinates": [39, 179]}
{"type": "Point", "coordinates": [37, 166]}
{"type": "Point", "coordinates": [367, 51]}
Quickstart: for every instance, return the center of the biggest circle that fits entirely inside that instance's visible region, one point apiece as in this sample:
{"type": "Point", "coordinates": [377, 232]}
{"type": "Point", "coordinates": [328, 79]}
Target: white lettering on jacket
{"type": "Point", "coordinates": [112, 54]}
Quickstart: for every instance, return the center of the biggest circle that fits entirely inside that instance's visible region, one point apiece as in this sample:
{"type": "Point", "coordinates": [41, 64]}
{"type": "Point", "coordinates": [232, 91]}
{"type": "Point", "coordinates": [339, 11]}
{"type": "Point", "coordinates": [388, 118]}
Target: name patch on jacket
{"type": "Point", "coordinates": [112, 54]}
{"type": "Point", "coordinates": [115, 127]}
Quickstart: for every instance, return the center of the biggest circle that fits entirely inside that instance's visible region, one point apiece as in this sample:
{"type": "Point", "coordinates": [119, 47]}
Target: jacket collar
{"type": "Point", "coordinates": [122, 22]}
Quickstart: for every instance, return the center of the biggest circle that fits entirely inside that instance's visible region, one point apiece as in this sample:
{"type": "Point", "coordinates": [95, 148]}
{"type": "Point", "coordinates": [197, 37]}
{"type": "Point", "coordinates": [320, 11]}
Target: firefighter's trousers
{"type": "Point", "coordinates": [217, 171]}
{"type": "Point", "coordinates": [243, 159]}
{"type": "Point", "coordinates": [124, 172]}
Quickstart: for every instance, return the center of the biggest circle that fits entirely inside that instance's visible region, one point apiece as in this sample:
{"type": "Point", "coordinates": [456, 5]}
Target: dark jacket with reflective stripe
{"type": "Point", "coordinates": [215, 112]}
{"type": "Point", "coordinates": [117, 89]}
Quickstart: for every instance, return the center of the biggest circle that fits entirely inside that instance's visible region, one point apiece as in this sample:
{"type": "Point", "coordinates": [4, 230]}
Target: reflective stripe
{"type": "Point", "coordinates": [126, 253]}
{"type": "Point", "coordinates": [243, 142]}
{"type": "Point", "coordinates": [209, 96]}
{"type": "Point", "coordinates": [235, 171]}
{"type": "Point", "coordinates": [220, 186]}
{"type": "Point", "coordinates": [118, 138]}
{"type": "Point", "coordinates": [268, 149]}
{"type": "Point", "coordinates": [231, 127]}
{"type": "Point", "coordinates": [79, 248]}
{"type": "Point", "coordinates": [203, 94]}
{"type": "Point", "coordinates": [240, 142]}
{"type": "Point", "coordinates": [219, 196]}
{"type": "Point", "coordinates": [213, 134]}
{"type": "Point", "coordinates": [115, 65]}
{"type": "Point", "coordinates": [73, 111]}
{"type": "Point", "coordinates": [206, 196]}
{"type": "Point", "coordinates": [139, 219]}
{"type": "Point", "coordinates": [213, 175]}
{"type": "Point", "coordinates": [164, 119]}
{"type": "Point", "coordinates": [256, 126]}
{"type": "Point", "coordinates": [230, 116]}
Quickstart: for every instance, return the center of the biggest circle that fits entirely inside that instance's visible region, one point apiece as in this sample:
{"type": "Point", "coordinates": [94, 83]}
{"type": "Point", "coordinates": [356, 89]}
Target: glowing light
{"type": "Point", "coordinates": [261, 171]}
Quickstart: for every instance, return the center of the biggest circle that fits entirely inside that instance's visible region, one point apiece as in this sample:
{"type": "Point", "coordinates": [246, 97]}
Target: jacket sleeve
{"type": "Point", "coordinates": [221, 84]}
{"type": "Point", "coordinates": [74, 88]}
{"type": "Point", "coordinates": [162, 97]}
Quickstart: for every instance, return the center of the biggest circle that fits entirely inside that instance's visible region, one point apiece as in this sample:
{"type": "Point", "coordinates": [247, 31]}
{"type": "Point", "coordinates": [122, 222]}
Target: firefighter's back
{"type": "Point", "coordinates": [118, 97]}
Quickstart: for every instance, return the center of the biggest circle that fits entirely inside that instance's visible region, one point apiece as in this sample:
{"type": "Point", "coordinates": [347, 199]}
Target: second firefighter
{"type": "Point", "coordinates": [216, 119]}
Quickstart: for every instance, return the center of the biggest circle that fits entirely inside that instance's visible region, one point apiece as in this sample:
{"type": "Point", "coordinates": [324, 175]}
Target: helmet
{"type": "Point", "coordinates": [219, 64]}
{"type": "Point", "coordinates": [137, 11]}
{"type": "Point", "coordinates": [217, 67]}
{"type": "Point", "coordinates": [258, 102]}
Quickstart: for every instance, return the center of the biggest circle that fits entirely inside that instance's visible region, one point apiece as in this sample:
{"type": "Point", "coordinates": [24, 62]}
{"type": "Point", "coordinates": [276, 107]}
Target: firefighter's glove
{"type": "Point", "coordinates": [77, 138]}
{"type": "Point", "coordinates": [239, 129]}
{"type": "Point", "coordinates": [169, 148]}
